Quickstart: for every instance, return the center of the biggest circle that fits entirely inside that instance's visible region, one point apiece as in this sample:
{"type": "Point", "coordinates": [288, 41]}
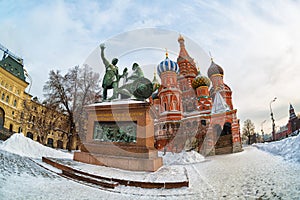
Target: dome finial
{"type": "Point", "coordinates": [167, 53]}
{"type": "Point", "coordinates": [198, 68]}
{"type": "Point", "coordinates": [211, 58]}
{"type": "Point", "coordinates": [181, 40]}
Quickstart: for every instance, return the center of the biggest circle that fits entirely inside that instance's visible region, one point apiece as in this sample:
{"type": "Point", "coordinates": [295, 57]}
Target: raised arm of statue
{"type": "Point", "coordinates": [104, 60]}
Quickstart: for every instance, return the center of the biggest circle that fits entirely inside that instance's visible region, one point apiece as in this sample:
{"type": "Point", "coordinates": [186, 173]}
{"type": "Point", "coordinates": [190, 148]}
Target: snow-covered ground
{"type": "Point", "coordinates": [23, 146]}
{"type": "Point", "coordinates": [181, 158]}
{"type": "Point", "coordinates": [288, 148]}
{"type": "Point", "coordinates": [250, 174]}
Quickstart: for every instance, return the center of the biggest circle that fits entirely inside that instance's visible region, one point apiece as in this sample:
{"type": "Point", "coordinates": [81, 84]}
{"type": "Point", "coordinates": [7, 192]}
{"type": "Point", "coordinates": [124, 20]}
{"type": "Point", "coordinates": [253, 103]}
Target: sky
{"type": "Point", "coordinates": [256, 43]}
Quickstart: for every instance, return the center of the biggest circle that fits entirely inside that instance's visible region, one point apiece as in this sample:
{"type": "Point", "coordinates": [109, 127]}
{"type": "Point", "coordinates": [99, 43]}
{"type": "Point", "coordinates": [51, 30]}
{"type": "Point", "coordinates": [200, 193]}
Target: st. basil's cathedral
{"type": "Point", "coordinates": [192, 111]}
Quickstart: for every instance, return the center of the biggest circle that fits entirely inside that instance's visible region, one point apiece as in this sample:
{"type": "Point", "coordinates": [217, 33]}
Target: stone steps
{"type": "Point", "coordinates": [90, 179]}
{"type": "Point", "coordinates": [224, 150]}
{"type": "Point", "coordinates": [224, 141]}
{"type": "Point", "coordinates": [70, 172]}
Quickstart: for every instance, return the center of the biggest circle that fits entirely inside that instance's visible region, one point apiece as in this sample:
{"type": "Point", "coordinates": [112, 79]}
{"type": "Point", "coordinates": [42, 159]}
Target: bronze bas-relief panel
{"type": "Point", "coordinates": [121, 131]}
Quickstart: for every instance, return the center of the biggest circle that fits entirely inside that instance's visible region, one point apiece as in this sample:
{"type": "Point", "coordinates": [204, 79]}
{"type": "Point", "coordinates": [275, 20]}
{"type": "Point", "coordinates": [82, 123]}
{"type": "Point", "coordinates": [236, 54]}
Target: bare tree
{"type": "Point", "coordinates": [248, 129]}
{"type": "Point", "coordinates": [71, 92]}
{"type": "Point", "coordinates": [42, 119]}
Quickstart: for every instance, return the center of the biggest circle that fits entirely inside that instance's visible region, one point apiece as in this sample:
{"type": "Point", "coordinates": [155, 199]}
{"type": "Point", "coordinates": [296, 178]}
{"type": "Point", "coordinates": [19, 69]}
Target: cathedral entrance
{"type": "Point", "coordinates": [224, 141]}
{"type": "Point", "coordinates": [2, 117]}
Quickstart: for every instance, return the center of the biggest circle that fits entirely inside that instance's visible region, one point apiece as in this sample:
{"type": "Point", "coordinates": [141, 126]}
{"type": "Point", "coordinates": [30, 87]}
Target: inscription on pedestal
{"type": "Point", "coordinates": [122, 131]}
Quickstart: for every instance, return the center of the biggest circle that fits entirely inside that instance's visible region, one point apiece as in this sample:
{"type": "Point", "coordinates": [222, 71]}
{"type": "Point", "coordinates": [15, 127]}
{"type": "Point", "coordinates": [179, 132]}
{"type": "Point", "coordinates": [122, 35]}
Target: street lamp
{"type": "Point", "coordinates": [273, 121]}
{"type": "Point", "coordinates": [262, 130]}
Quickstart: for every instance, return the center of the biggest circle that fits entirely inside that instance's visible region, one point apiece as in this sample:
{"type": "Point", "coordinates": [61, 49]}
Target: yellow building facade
{"type": "Point", "coordinates": [19, 113]}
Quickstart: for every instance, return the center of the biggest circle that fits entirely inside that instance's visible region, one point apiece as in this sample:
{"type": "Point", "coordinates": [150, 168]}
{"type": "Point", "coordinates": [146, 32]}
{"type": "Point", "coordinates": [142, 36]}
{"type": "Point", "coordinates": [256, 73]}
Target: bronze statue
{"type": "Point", "coordinates": [126, 90]}
{"type": "Point", "coordinates": [112, 77]}
{"type": "Point", "coordinates": [136, 85]}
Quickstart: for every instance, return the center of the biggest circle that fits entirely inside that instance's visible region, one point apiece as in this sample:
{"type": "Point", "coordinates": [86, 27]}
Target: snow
{"type": "Point", "coordinates": [117, 102]}
{"type": "Point", "coordinates": [181, 158]}
{"type": "Point", "coordinates": [23, 146]}
{"type": "Point", "coordinates": [288, 148]}
{"type": "Point", "coordinates": [251, 174]}
{"type": "Point", "coordinates": [162, 175]}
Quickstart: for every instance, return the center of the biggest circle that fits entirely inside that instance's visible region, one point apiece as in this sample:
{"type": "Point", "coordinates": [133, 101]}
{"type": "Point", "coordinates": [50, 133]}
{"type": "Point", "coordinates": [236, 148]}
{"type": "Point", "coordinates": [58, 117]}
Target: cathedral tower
{"type": "Point", "coordinates": [201, 86]}
{"type": "Point", "coordinates": [215, 74]}
{"type": "Point", "coordinates": [169, 93]}
{"type": "Point", "coordinates": [188, 72]}
{"type": "Point", "coordinates": [170, 109]}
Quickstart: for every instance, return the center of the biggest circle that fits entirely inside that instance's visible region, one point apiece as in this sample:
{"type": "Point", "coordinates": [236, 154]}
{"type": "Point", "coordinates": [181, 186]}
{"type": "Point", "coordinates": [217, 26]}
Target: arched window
{"type": "Point", "coordinates": [174, 103]}
{"type": "Point", "coordinates": [11, 128]}
{"type": "Point", "coordinates": [60, 144]}
{"type": "Point", "coordinates": [50, 142]}
{"type": "Point", "coordinates": [15, 103]}
{"type": "Point", "coordinates": [3, 96]}
{"type": "Point", "coordinates": [7, 99]}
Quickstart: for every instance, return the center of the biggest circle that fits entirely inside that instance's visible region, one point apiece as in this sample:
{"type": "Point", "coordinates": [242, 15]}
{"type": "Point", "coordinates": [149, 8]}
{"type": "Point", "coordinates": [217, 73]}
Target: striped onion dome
{"type": "Point", "coordinates": [167, 65]}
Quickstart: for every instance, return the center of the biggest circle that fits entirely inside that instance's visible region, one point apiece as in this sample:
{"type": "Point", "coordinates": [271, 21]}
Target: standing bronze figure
{"type": "Point", "coordinates": [112, 77]}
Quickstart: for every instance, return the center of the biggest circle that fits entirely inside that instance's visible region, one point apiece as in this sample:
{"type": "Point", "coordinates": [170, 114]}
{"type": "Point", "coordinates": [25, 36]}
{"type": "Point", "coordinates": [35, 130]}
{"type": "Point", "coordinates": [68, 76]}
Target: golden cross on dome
{"type": "Point", "coordinates": [198, 68]}
{"type": "Point", "coordinates": [211, 58]}
{"type": "Point", "coordinates": [167, 53]}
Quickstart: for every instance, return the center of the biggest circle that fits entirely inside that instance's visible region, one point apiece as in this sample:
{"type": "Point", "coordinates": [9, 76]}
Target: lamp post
{"type": "Point", "coordinates": [262, 130]}
{"type": "Point", "coordinates": [272, 118]}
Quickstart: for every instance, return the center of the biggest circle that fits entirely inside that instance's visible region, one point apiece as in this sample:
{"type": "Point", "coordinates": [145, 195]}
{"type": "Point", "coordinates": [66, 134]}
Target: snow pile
{"type": "Point", "coordinates": [288, 148]}
{"type": "Point", "coordinates": [23, 146]}
{"type": "Point", "coordinates": [181, 158]}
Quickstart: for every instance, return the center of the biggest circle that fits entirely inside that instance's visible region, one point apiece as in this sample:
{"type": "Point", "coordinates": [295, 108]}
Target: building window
{"type": "Point", "coordinates": [3, 96]}
{"type": "Point", "coordinates": [50, 142]}
{"type": "Point", "coordinates": [15, 103]}
{"type": "Point", "coordinates": [29, 135]}
{"type": "Point", "coordinates": [10, 128]}
{"type": "Point", "coordinates": [7, 99]}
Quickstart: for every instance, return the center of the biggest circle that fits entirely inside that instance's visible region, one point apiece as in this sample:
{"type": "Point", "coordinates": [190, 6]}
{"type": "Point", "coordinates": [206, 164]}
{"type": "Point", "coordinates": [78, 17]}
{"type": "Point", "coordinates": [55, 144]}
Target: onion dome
{"type": "Point", "coordinates": [214, 69]}
{"type": "Point", "coordinates": [200, 80]}
{"type": "Point", "coordinates": [155, 83]}
{"type": "Point", "coordinates": [167, 65]}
